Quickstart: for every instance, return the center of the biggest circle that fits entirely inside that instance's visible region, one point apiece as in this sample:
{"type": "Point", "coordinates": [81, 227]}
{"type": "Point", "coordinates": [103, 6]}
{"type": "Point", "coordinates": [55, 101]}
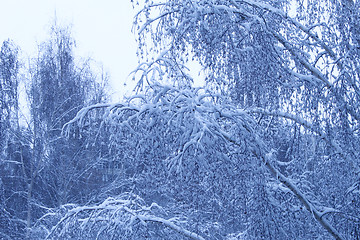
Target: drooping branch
{"type": "Point", "coordinates": [208, 117]}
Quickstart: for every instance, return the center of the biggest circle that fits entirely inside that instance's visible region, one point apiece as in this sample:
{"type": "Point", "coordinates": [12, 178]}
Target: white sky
{"type": "Point", "coordinates": [102, 30]}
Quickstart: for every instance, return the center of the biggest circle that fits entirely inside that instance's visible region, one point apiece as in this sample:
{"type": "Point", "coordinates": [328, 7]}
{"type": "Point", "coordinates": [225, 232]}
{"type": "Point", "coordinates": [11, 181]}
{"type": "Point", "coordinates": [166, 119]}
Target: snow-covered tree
{"type": "Point", "coordinates": [267, 149]}
{"type": "Point", "coordinates": [292, 65]}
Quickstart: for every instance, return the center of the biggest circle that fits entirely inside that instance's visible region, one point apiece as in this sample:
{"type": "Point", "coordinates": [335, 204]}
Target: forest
{"type": "Point", "coordinates": [267, 148]}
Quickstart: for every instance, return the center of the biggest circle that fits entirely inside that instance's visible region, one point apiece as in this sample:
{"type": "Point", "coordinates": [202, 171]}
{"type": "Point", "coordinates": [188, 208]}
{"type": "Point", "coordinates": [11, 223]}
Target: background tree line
{"type": "Point", "coordinates": [39, 168]}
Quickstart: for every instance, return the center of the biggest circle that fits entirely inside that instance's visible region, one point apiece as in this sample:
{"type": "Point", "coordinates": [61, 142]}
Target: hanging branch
{"type": "Point", "coordinates": [208, 116]}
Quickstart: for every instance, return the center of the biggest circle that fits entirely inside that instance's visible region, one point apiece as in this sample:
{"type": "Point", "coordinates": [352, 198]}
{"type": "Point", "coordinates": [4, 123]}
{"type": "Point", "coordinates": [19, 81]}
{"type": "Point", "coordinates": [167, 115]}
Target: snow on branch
{"type": "Point", "coordinates": [114, 214]}
{"type": "Point", "coordinates": [197, 114]}
{"type": "Point", "coordinates": [296, 23]}
{"type": "Point", "coordinates": [319, 215]}
{"type": "Point", "coordinates": [313, 70]}
{"type": "Point", "coordinates": [266, 157]}
{"type": "Point", "coordinates": [171, 225]}
{"type": "Point", "coordinates": [191, 110]}
{"type": "Point", "coordinates": [80, 116]}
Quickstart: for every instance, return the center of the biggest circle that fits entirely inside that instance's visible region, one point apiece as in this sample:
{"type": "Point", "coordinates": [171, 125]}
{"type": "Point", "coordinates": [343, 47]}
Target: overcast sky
{"type": "Point", "coordinates": [102, 30]}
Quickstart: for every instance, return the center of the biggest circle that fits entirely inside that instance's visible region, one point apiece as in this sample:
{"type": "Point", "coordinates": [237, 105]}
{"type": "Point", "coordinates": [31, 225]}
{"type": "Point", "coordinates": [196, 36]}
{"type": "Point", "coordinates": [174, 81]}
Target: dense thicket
{"type": "Point", "coordinates": [268, 148]}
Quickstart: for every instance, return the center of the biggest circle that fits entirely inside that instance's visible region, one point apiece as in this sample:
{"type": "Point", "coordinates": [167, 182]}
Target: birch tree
{"type": "Point", "coordinates": [291, 64]}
